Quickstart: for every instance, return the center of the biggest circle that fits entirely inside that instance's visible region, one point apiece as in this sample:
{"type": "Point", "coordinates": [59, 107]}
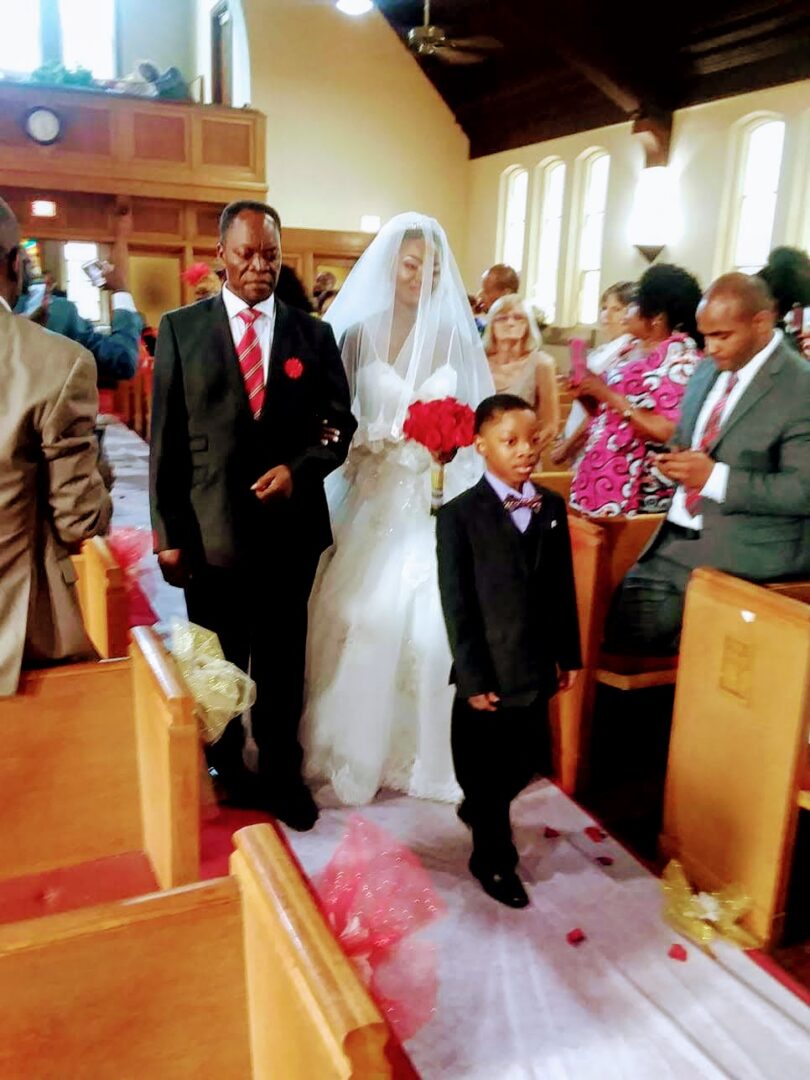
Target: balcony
{"type": "Point", "coordinates": [116, 145]}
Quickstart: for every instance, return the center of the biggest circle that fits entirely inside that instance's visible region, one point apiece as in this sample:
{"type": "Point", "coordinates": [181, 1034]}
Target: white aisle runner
{"type": "Point", "coordinates": [517, 1002]}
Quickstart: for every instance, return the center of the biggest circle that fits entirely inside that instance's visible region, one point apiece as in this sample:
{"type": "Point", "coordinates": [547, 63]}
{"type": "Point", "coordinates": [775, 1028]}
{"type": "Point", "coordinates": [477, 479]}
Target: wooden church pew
{"type": "Point", "coordinates": [236, 978]}
{"type": "Point", "coordinates": [102, 597]}
{"type": "Point", "coordinates": [560, 482]}
{"type": "Point", "coordinates": [738, 758]}
{"type": "Point", "coordinates": [571, 709]}
{"type": "Point", "coordinates": [99, 773]}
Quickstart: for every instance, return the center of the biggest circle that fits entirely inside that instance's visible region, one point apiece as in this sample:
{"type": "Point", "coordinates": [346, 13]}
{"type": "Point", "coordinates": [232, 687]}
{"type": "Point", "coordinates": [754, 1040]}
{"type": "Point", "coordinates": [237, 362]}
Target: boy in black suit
{"type": "Point", "coordinates": [507, 588]}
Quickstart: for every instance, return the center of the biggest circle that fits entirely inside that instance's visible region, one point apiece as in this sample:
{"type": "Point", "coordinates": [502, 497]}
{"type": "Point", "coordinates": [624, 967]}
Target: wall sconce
{"type": "Point", "coordinates": [43, 208]}
{"type": "Point", "coordinates": [655, 218]}
{"type": "Point", "coordinates": [354, 7]}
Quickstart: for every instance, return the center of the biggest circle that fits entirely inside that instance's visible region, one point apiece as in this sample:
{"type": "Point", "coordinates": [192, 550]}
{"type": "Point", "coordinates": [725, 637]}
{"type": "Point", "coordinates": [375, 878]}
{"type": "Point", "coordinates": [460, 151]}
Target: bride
{"type": "Point", "coordinates": [378, 704]}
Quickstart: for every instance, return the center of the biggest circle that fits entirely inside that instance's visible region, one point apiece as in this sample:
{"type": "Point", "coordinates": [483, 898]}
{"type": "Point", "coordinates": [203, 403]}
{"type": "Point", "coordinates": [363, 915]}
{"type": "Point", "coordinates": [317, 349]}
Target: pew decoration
{"type": "Point", "coordinates": [220, 690]}
{"type": "Point", "coordinates": [376, 895]}
{"type": "Point", "coordinates": [130, 545]}
{"type": "Point", "coordinates": [703, 917]}
{"type": "Point", "coordinates": [443, 427]}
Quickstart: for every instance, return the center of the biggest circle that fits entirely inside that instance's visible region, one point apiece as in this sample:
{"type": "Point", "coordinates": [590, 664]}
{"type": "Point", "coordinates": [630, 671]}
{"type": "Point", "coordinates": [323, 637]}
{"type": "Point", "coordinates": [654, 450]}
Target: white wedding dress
{"type": "Point", "coordinates": [378, 704]}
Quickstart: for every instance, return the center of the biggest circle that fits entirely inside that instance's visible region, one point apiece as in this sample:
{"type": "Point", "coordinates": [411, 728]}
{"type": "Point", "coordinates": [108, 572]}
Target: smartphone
{"type": "Point", "coordinates": [95, 271]}
{"type": "Point", "coordinates": [579, 365]}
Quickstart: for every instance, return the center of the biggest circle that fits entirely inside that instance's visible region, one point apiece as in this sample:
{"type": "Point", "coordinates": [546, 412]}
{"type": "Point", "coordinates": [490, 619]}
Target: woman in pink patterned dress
{"type": "Point", "coordinates": [635, 405]}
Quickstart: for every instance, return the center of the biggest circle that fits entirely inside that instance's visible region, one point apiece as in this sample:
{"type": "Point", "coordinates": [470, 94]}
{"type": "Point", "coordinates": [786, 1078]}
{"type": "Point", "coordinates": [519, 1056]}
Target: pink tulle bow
{"type": "Point", "coordinates": [376, 894]}
{"type": "Point", "coordinates": [129, 545]}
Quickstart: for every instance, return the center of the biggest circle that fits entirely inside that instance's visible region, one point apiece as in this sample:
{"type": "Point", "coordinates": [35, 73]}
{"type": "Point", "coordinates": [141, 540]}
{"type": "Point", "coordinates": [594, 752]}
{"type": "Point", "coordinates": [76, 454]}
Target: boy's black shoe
{"type": "Point", "coordinates": [506, 888]}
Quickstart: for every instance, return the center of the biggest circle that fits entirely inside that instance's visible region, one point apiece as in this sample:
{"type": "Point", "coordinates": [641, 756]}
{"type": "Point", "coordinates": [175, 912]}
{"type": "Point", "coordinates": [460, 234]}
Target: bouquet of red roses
{"type": "Point", "coordinates": [442, 427]}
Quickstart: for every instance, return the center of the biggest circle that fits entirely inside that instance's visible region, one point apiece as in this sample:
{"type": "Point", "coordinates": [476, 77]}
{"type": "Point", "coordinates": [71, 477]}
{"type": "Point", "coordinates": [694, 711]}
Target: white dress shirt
{"type": "Point", "coordinates": [263, 326]}
{"type": "Point", "coordinates": [715, 487]}
{"type": "Point", "coordinates": [522, 517]}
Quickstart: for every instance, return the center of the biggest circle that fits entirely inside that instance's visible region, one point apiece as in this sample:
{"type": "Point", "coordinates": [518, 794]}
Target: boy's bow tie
{"type": "Point", "coordinates": [515, 502]}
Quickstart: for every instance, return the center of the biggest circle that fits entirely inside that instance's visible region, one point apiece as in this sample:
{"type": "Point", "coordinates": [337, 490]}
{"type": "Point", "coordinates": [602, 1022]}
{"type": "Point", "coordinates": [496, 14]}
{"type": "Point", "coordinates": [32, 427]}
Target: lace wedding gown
{"type": "Point", "coordinates": [378, 701]}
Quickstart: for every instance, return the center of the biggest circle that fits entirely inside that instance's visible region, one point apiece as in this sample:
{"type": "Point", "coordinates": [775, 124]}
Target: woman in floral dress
{"type": "Point", "coordinates": [635, 405]}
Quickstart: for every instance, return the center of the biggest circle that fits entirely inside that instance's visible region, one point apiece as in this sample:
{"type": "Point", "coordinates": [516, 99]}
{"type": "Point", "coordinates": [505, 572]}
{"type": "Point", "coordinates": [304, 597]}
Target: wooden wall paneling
{"type": "Point", "coordinates": [129, 146]}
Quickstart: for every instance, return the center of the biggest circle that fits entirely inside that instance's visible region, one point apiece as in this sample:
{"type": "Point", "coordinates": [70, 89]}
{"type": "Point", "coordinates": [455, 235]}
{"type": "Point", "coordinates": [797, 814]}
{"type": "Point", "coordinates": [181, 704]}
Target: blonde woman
{"type": "Point", "coordinates": [512, 344]}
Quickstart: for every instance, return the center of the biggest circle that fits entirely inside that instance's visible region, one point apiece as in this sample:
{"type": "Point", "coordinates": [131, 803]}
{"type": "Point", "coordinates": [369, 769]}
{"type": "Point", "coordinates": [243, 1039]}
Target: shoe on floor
{"type": "Point", "coordinates": [506, 888]}
{"type": "Point", "coordinates": [296, 809]}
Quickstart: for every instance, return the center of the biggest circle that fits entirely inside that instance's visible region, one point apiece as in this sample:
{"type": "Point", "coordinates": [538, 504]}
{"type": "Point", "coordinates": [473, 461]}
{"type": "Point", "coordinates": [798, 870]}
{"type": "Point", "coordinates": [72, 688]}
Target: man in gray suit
{"type": "Point", "coordinates": [51, 494]}
{"type": "Point", "coordinates": [741, 461]}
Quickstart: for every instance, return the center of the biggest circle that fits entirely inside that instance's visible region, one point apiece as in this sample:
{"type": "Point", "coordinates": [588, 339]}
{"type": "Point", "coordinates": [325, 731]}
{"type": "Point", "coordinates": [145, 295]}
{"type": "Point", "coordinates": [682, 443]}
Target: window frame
{"type": "Point", "coordinates": [507, 184]}
{"type": "Point", "coordinates": [50, 39]}
{"type": "Point", "coordinates": [543, 173]}
{"type": "Point", "coordinates": [584, 169]}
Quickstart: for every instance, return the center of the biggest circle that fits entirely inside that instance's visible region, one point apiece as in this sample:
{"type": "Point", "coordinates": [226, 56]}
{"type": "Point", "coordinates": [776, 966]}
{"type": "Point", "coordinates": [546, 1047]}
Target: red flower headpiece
{"type": "Point", "coordinates": [195, 273]}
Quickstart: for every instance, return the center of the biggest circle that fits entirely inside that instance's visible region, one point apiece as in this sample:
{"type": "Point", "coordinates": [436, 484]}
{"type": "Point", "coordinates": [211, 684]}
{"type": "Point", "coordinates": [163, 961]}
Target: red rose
{"type": "Point", "coordinates": [575, 936]}
{"type": "Point", "coordinates": [293, 368]}
{"type": "Point", "coordinates": [677, 952]}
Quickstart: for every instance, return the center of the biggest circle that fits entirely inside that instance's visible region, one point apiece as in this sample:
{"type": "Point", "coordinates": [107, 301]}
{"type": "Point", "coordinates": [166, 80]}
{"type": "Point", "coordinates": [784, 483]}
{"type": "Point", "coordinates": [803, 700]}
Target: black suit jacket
{"type": "Point", "coordinates": [207, 450]}
{"type": "Point", "coordinates": [508, 598]}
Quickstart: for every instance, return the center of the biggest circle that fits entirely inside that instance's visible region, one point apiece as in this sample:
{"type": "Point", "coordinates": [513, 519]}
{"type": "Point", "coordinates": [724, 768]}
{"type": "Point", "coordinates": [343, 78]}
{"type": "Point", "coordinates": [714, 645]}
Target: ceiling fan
{"type": "Point", "coordinates": [428, 40]}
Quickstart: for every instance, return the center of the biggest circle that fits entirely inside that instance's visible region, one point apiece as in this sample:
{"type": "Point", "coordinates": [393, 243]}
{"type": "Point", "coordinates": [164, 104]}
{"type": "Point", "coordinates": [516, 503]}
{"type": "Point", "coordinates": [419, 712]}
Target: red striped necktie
{"type": "Point", "coordinates": [249, 353]}
{"type": "Point", "coordinates": [710, 432]}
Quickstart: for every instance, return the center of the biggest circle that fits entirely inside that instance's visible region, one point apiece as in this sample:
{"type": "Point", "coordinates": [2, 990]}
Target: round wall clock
{"type": "Point", "coordinates": [43, 125]}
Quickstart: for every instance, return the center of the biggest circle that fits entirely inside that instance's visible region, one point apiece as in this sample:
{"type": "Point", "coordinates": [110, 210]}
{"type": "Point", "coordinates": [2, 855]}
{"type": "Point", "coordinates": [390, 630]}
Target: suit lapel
{"type": "Point", "coordinates": [760, 385]}
{"type": "Point", "coordinates": [279, 346]}
{"type": "Point", "coordinates": [704, 378]}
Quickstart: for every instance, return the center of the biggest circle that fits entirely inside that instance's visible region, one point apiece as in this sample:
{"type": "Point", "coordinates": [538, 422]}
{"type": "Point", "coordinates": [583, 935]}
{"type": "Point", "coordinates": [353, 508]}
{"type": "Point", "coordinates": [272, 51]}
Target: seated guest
{"type": "Point", "coordinates": [325, 301]}
{"type": "Point", "coordinates": [116, 354]}
{"type": "Point", "coordinates": [290, 290]}
{"type": "Point", "coordinates": [635, 405]}
{"type": "Point", "coordinates": [325, 282]}
{"type": "Point", "coordinates": [500, 280]}
{"type": "Point", "coordinates": [612, 315]}
{"type": "Point", "coordinates": [512, 344]}
{"type": "Point", "coordinates": [743, 498]}
{"type": "Point", "coordinates": [53, 495]}
{"type": "Point", "coordinates": [787, 275]}
{"type": "Point", "coordinates": [203, 279]}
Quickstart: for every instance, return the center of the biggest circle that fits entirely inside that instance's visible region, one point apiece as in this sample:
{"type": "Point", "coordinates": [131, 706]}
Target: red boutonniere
{"type": "Point", "coordinates": [293, 368]}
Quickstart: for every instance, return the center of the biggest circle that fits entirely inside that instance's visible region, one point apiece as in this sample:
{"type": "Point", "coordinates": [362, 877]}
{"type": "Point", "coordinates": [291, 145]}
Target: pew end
{"type": "Point", "coordinates": [737, 769]}
{"type": "Point", "coordinates": [100, 763]}
{"type": "Point", "coordinates": [636, 672]}
{"type": "Point", "coordinates": [102, 598]}
{"type": "Point", "coordinates": [560, 482]}
{"type": "Point", "coordinates": [238, 978]}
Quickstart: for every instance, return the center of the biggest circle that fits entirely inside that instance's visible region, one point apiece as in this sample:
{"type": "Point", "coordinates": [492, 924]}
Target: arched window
{"type": "Point", "coordinates": [84, 37]}
{"type": "Point", "coordinates": [591, 231]}
{"type": "Point", "coordinates": [552, 192]}
{"type": "Point", "coordinates": [88, 35]}
{"type": "Point", "coordinates": [513, 232]}
{"type": "Point", "coordinates": [758, 188]}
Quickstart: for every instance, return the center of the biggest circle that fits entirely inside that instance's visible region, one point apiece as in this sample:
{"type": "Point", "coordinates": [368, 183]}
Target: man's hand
{"type": "Point", "coordinates": [174, 568]}
{"type": "Point", "coordinates": [484, 702]}
{"type": "Point", "coordinates": [692, 468]}
{"type": "Point", "coordinates": [276, 482]}
{"type": "Point", "coordinates": [329, 434]}
{"type": "Point", "coordinates": [565, 680]}
{"type": "Point", "coordinates": [114, 278]}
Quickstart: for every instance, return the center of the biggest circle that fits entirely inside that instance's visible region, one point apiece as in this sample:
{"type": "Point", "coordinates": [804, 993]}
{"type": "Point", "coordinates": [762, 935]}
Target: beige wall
{"type": "Point", "coordinates": [701, 159]}
{"type": "Point", "coordinates": [353, 126]}
{"type": "Point", "coordinates": [157, 30]}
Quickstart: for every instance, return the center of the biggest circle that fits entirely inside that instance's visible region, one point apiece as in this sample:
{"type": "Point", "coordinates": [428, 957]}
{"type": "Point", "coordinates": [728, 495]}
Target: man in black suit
{"type": "Point", "coordinates": [251, 412]}
{"type": "Point", "coordinates": [507, 589]}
